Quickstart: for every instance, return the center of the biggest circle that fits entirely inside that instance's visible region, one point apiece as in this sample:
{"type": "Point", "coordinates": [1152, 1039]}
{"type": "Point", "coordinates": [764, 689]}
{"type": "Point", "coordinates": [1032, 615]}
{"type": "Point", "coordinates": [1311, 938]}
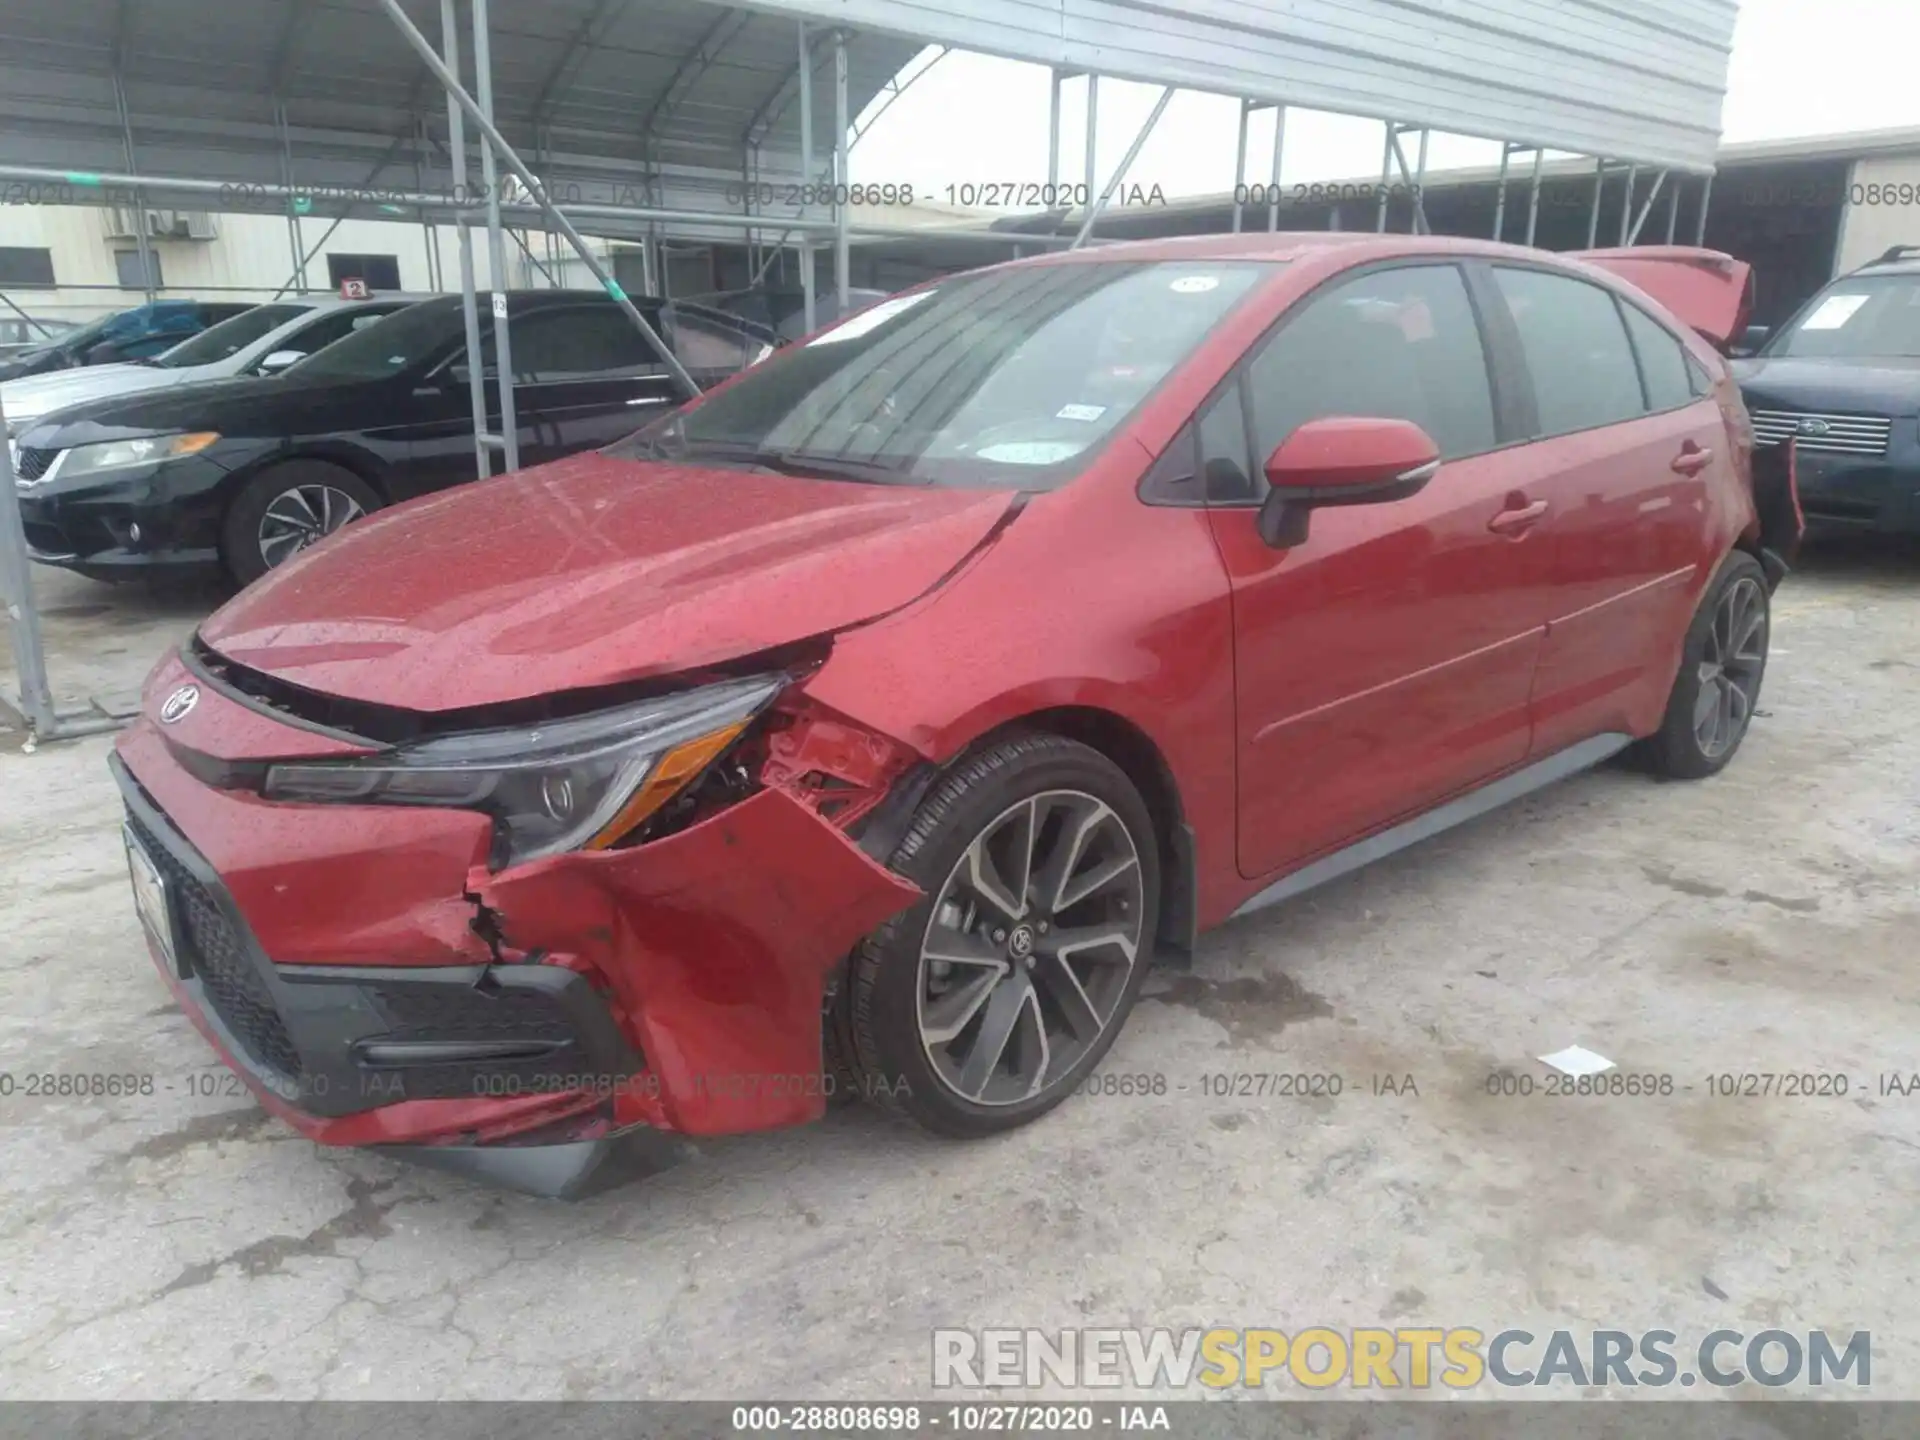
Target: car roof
{"type": "Point", "coordinates": [336, 302]}
{"type": "Point", "coordinates": [524, 302]}
{"type": "Point", "coordinates": [1283, 245]}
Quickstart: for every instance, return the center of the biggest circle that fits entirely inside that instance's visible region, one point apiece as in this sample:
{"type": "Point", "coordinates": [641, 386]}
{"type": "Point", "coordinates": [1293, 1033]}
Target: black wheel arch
{"type": "Point", "coordinates": [1139, 758]}
{"type": "Point", "coordinates": [361, 464]}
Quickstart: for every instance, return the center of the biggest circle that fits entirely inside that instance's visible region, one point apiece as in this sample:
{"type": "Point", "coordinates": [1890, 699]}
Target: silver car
{"type": "Point", "coordinates": [265, 340]}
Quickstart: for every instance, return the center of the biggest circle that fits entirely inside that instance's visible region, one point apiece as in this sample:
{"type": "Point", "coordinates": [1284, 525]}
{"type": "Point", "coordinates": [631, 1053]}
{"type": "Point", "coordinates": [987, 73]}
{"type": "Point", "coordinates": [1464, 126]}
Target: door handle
{"type": "Point", "coordinates": [1691, 460]}
{"type": "Point", "coordinates": [1518, 519]}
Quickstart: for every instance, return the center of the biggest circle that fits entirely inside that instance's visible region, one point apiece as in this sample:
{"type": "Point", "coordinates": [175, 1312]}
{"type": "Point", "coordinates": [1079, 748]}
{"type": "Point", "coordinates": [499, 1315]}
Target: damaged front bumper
{"type": "Point", "coordinates": [376, 985]}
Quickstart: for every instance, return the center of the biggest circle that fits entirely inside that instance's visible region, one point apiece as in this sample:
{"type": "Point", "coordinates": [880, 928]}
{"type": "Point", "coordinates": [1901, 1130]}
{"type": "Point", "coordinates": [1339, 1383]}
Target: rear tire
{"type": "Point", "coordinates": [981, 1007]}
{"type": "Point", "coordinates": [283, 510]}
{"type": "Point", "coordinates": [1717, 688]}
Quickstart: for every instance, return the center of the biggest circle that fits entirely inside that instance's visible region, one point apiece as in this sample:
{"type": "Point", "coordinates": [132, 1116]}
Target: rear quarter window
{"type": "Point", "coordinates": [1664, 363]}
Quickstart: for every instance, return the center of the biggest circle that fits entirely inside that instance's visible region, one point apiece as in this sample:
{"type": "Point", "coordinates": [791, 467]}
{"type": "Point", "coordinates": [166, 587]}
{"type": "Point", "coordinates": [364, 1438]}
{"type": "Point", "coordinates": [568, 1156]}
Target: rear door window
{"type": "Point", "coordinates": [578, 342]}
{"type": "Point", "coordinates": [1576, 350]}
{"type": "Point", "coordinates": [337, 326]}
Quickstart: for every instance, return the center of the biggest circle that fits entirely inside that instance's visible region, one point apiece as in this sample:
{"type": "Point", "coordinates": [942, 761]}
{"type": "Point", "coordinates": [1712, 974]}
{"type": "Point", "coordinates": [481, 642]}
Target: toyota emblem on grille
{"type": "Point", "coordinates": [179, 703]}
{"type": "Point", "coordinates": [1812, 427]}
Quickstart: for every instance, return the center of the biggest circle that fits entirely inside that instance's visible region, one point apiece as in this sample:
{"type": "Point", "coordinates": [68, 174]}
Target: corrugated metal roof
{"type": "Point", "coordinates": [1637, 80]}
{"type": "Point", "coordinates": [597, 93]}
{"type": "Point", "coordinates": [590, 83]}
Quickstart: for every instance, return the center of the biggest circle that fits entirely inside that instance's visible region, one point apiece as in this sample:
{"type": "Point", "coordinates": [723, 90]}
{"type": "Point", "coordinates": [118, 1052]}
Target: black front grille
{"type": "Point", "coordinates": [217, 957]}
{"type": "Point", "coordinates": [32, 464]}
{"type": "Point", "coordinates": [449, 1014]}
{"type": "Point", "coordinates": [455, 1013]}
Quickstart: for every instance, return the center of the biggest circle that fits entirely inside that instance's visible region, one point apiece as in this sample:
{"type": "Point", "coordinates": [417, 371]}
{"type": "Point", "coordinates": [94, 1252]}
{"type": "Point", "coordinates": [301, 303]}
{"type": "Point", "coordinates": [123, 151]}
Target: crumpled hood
{"type": "Point", "coordinates": [592, 571]}
{"type": "Point", "coordinates": [32, 396]}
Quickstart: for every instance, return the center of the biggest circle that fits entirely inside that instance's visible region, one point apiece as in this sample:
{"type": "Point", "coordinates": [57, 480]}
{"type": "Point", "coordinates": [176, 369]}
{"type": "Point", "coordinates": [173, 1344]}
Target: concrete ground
{"type": "Point", "coordinates": [185, 1245]}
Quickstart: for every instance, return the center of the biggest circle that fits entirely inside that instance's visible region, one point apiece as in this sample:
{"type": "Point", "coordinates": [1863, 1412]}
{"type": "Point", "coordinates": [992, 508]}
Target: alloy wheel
{"type": "Point", "coordinates": [1029, 947]}
{"type": "Point", "coordinates": [298, 517]}
{"type": "Point", "coordinates": [1730, 667]}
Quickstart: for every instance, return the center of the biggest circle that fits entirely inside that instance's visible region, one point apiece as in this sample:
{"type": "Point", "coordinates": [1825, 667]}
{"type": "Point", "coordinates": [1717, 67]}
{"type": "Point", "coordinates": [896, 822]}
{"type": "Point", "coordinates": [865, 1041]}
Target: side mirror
{"type": "Point", "coordinates": [1342, 460]}
{"type": "Point", "coordinates": [1750, 341]}
{"type": "Point", "coordinates": [280, 359]}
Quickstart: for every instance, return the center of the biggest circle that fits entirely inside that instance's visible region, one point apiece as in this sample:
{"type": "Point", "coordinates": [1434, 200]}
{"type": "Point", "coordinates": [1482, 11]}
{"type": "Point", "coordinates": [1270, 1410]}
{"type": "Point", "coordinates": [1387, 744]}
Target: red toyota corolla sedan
{"type": "Point", "coordinates": [912, 691]}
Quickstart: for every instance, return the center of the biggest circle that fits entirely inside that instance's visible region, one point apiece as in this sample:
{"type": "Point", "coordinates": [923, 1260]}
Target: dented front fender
{"type": "Point", "coordinates": [716, 944]}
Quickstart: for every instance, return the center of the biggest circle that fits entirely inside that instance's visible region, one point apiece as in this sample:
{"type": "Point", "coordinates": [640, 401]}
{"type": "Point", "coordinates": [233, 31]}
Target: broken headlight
{"type": "Point", "coordinates": [578, 784]}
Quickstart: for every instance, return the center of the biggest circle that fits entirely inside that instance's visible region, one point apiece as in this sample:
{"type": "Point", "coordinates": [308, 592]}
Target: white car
{"type": "Point", "coordinates": [265, 340]}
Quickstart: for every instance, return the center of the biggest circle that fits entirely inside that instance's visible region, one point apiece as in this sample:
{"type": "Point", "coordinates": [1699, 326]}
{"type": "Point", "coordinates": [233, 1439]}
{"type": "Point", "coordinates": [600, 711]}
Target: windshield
{"type": "Point", "coordinates": [72, 339]}
{"type": "Point", "coordinates": [1866, 317]}
{"type": "Point", "coordinates": [1000, 378]}
{"type": "Point", "coordinates": [403, 341]}
{"type": "Point", "coordinates": [229, 337]}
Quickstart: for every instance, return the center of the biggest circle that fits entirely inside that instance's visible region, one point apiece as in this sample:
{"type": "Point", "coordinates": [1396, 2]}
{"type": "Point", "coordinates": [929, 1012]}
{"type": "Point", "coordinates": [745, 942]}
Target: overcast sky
{"type": "Point", "coordinates": [1800, 67]}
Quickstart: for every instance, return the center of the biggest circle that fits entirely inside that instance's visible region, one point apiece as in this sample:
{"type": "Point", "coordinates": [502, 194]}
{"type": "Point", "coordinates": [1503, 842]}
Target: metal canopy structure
{"type": "Point", "coordinates": [684, 118]}
{"type": "Point", "coordinates": [607, 92]}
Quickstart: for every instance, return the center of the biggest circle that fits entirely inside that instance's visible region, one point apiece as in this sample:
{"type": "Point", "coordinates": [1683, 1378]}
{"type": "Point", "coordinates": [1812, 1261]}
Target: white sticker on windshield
{"type": "Point", "coordinates": [871, 318]}
{"type": "Point", "coordinates": [1834, 312]}
{"type": "Point", "coordinates": [1195, 284]}
{"type": "Point", "coordinates": [1031, 452]}
{"type": "Point", "coordinates": [1079, 412]}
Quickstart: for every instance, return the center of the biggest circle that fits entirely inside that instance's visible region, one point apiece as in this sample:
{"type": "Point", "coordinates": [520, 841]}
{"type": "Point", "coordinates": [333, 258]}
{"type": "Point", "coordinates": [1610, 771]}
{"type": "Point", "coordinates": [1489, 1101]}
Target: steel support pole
{"type": "Point", "coordinates": [469, 304]}
{"type": "Point", "coordinates": [1415, 180]}
{"type": "Point", "coordinates": [23, 621]}
{"type": "Point", "coordinates": [298, 278]}
{"type": "Point", "coordinates": [7, 300]}
{"type": "Point", "coordinates": [1120, 173]}
{"type": "Point", "coordinates": [1626, 205]}
{"type": "Point", "coordinates": [1419, 186]}
{"type": "Point", "coordinates": [1673, 210]}
{"type": "Point", "coordinates": [1053, 136]}
{"type": "Point", "coordinates": [295, 244]}
{"type": "Point", "coordinates": [1599, 184]}
{"type": "Point", "coordinates": [457, 93]}
{"type": "Point", "coordinates": [1633, 236]}
{"type": "Point", "coordinates": [496, 241]}
{"type": "Point", "coordinates": [746, 201]}
{"type": "Point", "coordinates": [1279, 148]}
{"type": "Point", "coordinates": [1093, 131]}
{"type": "Point", "coordinates": [98, 181]}
{"type": "Point", "coordinates": [806, 168]}
{"type": "Point", "coordinates": [1240, 165]}
{"type": "Point", "coordinates": [427, 236]}
{"type": "Point", "coordinates": [1533, 198]}
{"type": "Point", "coordinates": [842, 211]}
{"type": "Point", "coordinates": [1386, 175]}
{"type": "Point", "coordinates": [1706, 199]}
{"type": "Point", "coordinates": [1500, 204]}
{"type": "Point", "coordinates": [139, 195]}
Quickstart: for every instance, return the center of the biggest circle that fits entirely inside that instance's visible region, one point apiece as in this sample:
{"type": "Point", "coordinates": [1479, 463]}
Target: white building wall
{"type": "Point", "coordinates": [1883, 208]}
{"type": "Point", "coordinates": [250, 258]}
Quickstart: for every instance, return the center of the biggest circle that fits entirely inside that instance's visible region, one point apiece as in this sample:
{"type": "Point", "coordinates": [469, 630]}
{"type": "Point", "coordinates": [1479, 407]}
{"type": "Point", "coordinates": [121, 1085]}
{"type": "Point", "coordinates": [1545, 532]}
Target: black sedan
{"type": "Point", "coordinates": [246, 473]}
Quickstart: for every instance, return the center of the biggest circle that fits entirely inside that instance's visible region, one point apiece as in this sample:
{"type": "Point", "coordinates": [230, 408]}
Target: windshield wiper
{"type": "Point", "coordinates": [798, 462]}
{"type": "Point", "coordinates": [834, 467]}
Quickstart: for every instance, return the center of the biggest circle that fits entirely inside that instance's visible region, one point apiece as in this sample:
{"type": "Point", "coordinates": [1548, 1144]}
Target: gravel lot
{"type": "Point", "coordinates": [185, 1245]}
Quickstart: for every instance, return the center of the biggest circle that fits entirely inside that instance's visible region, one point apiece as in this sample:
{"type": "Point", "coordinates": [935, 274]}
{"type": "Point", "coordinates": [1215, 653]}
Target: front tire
{"type": "Point", "coordinates": [282, 511]}
{"type": "Point", "coordinates": [1722, 663]}
{"type": "Point", "coordinates": [981, 1007]}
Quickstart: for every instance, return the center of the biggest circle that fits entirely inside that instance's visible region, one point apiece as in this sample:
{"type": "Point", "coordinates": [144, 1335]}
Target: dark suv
{"type": "Point", "coordinates": [1842, 381]}
{"type": "Point", "coordinates": [246, 473]}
